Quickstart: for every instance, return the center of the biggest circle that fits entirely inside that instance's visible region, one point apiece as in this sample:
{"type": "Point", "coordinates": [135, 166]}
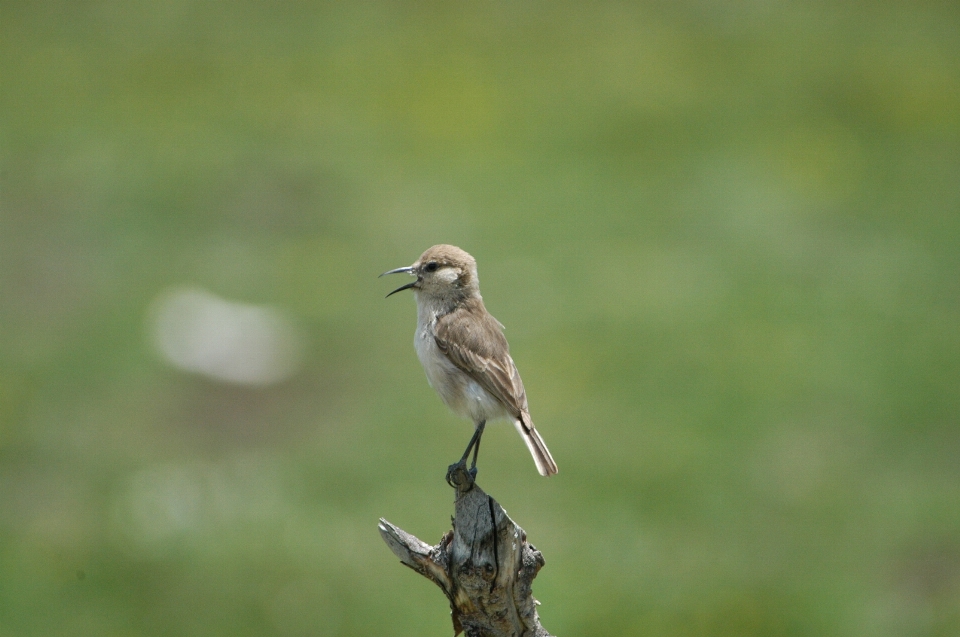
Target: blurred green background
{"type": "Point", "coordinates": [724, 238]}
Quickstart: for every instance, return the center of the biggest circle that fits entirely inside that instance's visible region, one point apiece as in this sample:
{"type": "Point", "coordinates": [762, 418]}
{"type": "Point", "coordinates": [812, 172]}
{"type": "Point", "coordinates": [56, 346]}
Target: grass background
{"type": "Point", "coordinates": [724, 238]}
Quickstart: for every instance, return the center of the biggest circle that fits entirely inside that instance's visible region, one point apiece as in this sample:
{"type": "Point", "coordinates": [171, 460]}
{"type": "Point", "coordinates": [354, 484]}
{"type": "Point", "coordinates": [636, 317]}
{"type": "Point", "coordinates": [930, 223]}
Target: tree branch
{"type": "Point", "coordinates": [484, 565]}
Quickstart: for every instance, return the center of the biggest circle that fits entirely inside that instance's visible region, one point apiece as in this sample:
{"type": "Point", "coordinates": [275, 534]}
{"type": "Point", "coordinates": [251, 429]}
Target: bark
{"type": "Point", "coordinates": [484, 565]}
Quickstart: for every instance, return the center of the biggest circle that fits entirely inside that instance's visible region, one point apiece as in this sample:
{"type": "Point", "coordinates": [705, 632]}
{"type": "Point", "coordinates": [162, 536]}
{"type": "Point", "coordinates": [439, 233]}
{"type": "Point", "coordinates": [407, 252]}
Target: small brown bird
{"type": "Point", "coordinates": [463, 350]}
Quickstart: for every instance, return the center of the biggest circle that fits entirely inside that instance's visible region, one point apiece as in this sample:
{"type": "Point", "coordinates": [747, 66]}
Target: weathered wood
{"type": "Point", "coordinates": [485, 566]}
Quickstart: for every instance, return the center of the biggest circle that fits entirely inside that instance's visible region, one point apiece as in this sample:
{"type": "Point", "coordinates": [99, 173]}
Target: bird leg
{"type": "Point", "coordinates": [478, 434]}
{"type": "Point", "coordinates": [474, 446]}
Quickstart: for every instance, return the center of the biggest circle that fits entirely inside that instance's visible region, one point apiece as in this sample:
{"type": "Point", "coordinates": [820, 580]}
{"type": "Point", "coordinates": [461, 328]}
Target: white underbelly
{"type": "Point", "coordinates": [463, 395]}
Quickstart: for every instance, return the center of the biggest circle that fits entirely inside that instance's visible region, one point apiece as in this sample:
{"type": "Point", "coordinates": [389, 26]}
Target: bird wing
{"type": "Point", "coordinates": [471, 338]}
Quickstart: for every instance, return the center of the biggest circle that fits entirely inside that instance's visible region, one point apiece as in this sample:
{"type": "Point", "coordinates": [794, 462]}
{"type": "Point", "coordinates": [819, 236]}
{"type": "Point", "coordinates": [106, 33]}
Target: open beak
{"type": "Point", "coordinates": [406, 270]}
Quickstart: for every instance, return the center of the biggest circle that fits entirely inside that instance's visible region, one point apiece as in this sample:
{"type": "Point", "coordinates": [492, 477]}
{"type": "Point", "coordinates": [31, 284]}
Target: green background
{"type": "Point", "coordinates": [724, 238]}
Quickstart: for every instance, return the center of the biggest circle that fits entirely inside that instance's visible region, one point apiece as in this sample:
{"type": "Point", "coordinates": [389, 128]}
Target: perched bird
{"type": "Point", "coordinates": [464, 352]}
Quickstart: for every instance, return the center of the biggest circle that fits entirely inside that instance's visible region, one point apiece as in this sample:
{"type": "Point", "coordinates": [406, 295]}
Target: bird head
{"type": "Point", "coordinates": [443, 271]}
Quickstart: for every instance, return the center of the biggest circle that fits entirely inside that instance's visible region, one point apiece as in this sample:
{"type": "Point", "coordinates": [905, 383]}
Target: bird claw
{"type": "Point", "coordinates": [461, 478]}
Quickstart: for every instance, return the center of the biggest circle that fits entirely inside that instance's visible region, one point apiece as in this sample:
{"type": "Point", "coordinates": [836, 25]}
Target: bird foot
{"type": "Point", "coordinates": [461, 478]}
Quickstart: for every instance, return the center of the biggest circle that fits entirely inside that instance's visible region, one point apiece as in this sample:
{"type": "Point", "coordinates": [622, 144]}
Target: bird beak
{"type": "Point", "coordinates": [406, 270]}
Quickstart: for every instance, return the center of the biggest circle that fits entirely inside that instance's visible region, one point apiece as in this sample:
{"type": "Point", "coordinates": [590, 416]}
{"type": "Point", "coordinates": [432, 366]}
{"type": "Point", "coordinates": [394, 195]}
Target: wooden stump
{"type": "Point", "coordinates": [484, 565]}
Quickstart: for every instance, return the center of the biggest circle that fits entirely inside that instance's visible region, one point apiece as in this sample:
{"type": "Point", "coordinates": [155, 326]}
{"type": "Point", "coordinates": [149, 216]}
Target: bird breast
{"type": "Point", "coordinates": [463, 395]}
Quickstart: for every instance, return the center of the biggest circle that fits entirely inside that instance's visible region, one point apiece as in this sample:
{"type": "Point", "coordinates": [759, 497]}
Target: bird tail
{"type": "Point", "coordinates": [538, 449]}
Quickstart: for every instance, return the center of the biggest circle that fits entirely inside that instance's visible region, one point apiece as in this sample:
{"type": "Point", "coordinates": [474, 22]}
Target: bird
{"type": "Point", "coordinates": [464, 353]}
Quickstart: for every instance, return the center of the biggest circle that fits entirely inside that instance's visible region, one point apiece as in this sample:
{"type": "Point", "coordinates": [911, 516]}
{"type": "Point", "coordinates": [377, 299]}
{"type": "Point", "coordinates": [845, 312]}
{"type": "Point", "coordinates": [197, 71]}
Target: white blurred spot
{"type": "Point", "coordinates": [165, 500]}
{"type": "Point", "coordinates": [199, 332]}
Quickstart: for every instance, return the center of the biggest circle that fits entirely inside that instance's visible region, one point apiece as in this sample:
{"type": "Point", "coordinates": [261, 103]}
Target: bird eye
{"type": "Point", "coordinates": [431, 267]}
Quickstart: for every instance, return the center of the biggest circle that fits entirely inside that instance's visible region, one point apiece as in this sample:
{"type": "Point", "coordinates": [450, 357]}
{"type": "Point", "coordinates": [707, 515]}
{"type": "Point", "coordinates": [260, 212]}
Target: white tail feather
{"type": "Point", "coordinates": [538, 449]}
